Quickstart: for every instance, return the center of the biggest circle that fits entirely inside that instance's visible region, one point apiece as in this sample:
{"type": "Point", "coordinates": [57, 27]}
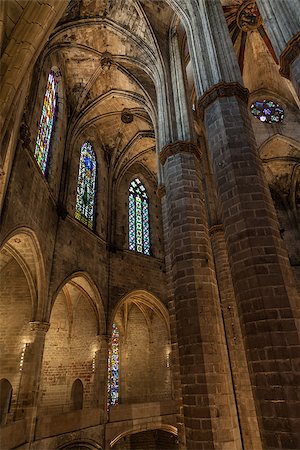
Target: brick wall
{"type": "Point", "coordinates": [69, 350]}
{"type": "Point", "coordinates": [144, 375]}
{"type": "Point", "coordinates": [15, 313]}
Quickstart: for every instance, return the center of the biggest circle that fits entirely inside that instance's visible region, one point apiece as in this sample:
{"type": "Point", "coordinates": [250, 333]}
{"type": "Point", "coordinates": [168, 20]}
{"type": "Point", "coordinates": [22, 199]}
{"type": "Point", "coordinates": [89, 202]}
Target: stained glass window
{"type": "Point", "coordinates": [86, 186]}
{"type": "Point", "coordinates": [113, 368]}
{"type": "Point", "coordinates": [267, 111]}
{"type": "Point", "coordinates": [43, 140]}
{"type": "Point", "coordinates": [138, 218]}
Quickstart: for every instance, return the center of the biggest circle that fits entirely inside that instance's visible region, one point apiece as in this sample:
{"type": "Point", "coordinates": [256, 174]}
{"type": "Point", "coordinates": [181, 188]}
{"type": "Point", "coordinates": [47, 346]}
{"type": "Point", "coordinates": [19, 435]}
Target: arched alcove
{"type": "Point", "coordinates": [5, 399]}
{"type": "Point", "coordinates": [153, 439]}
{"type": "Point", "coordinates": [144, 349]}
{"type": "Point", "coordinates": [22, 279]}
{"type": "Point", "coordinates": [281, 159]}
{"type": "Point", "coordinates": [70, 347]}
{"type": "Point", "coordinates": [77, 395]}
{"type": "Point", "coordinates": [87, 444]}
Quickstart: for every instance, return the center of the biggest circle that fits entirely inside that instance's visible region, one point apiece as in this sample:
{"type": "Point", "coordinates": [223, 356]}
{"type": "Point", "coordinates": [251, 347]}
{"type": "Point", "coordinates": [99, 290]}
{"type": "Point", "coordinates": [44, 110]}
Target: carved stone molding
{"type": "Point", "coordinates": [161, 191]}
{"type": "Point", "coordinates": [39, 327]}
{"type": "Point", "coordinates": [288, 56]}
{"type": "Point", "coordinates": [126, 116]}
{"type": "Point", "coordinates": [106, 61]}
{"type": "Point", "coordinates": [216, 229]}
{"type": "Point", "coordinates": [221, 90]}
{"type": "Point", "coordinates": [178, 147]}
{"type": "Point", "coordinates": [248, 16]}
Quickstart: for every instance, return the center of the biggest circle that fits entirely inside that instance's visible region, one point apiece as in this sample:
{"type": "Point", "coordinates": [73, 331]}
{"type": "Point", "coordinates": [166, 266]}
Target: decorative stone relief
{"type": "Point", "coordinates": [248, 17]}
{"type": "Point", "coordinates": [126, 116]}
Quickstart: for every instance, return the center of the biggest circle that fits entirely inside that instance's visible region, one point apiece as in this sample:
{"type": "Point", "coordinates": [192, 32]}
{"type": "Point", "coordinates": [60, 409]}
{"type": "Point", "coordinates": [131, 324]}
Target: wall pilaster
{"type": "Point", "coordinates": [234, 338]}
{"type": "Point", "coordinates": [30, 376]}
{"type": "Point", "coordinates": [100, 372]}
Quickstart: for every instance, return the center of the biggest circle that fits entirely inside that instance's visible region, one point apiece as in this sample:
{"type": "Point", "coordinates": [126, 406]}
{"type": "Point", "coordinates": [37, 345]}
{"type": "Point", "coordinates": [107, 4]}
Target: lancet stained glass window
{"type": "Point", "coordinates": [86, 186]}
{"type": "Point", "coordinates": [113, 368]}
{"type": "Point", "coordinates": [47, 119]}
{"type": "Point", "coordinates": [138, 218]}
{"type": "Point", "coordinates": [267, 111]}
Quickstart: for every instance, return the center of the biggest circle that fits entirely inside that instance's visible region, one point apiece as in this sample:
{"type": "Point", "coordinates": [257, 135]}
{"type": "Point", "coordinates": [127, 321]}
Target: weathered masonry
{"type": "Point", "coordinates": [150, 225]}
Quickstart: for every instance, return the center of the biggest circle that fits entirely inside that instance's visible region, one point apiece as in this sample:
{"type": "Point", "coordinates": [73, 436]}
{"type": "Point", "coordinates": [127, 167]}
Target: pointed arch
{"type": "Point", "coordinates": [84, 283]}
{"type": "Point", "coordinates": [23, 245]}
{"type": "Point", "coordinates": [146, 298]}
{"type": "Point", "coordinates": [86, 186]}
{"type": "Point", "coordinates": [139, 428]}
{"type": "Point", "coordinates": [278, 139]}
{"type": "Point", "coordinates": [138, 218]}
{"type": "Point", "coordinates": [5, 399]}
{"type": "Point", "coordinates": [47, 121]}
{"type": "Point", "coordinates": [77, 395]}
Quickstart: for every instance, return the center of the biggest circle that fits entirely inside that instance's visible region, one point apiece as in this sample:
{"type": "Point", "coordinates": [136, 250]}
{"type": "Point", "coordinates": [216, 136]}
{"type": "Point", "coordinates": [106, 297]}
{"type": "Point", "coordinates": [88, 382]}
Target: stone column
{"type": "Point", "coordinates": [175, 371]}
{"type": "Point", "coordinates": [31, 373]}
{"type": "Point", "coordinates": [209, 415]}
{"type": "Point", "coordinates": [282, 21]}
{"type": "Point", "coordinates": [238, 362]}
{"type": "Point", "coordinates": [263, 282]}
{"type": "Point", "coordinates": [100, 372]}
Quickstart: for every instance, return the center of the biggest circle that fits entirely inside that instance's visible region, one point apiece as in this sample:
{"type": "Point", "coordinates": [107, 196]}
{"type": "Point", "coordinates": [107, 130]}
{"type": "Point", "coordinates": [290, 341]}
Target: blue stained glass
{"type": "Point", "coordinates": [86, 186]}
{"type": "Point", "coordinates": [43, 139]}
{"type": "Point", "coordinates": [138, 218]}
{"type": "Point", "coordinates": [267, 111]}
{"type": "Point", "coordinates": [88, 163]}
{"type": "Point", "coordinates": [113, 368]}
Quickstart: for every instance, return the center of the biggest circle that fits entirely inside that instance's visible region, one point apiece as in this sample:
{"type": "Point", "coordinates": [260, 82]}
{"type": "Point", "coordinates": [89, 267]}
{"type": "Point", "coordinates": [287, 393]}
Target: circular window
{"type": "Point", "coordinates": [267, 111]}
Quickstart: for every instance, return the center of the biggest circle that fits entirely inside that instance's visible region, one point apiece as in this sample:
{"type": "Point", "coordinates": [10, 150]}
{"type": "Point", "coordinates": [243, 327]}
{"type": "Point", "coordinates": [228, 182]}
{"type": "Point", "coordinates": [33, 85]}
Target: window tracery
{"type": "Point", "coordinates": [86, 186]}
{"type": "Point", "coordinates": [138, 218]}
{"type": "Point", "coordinates": [267, 111]}
{"type": "Point", "coordinates": [47, 119]}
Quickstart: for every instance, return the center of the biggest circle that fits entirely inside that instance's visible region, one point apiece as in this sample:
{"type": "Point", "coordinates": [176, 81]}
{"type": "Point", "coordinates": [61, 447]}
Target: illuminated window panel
{"type": "Point", "coordinates": [267, 111]}
{"type": "Point", "coordinates": [138, 218]}
{"type": "Point", "coordinates": [86, 186]}
{"type": "Point", "coordinates": [113, 368]}
{"type": "Point", "coordinates": [47, 119]}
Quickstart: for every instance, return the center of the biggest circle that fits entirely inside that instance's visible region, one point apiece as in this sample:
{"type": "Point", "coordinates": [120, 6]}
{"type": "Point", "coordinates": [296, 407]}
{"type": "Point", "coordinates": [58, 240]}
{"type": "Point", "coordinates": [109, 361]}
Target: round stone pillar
{"type": "Point", "coordinates": [282, 21]}
{"type": "Point", "coordinates": [100, 372]}
{"type": "Point", "coordinates": [30, 377]}
{"type": "Point", "coordinates": [262, 278]}
{"type": "Point", "coordinates": [175, 370]}
{"type": "Point", "coordinates": [209, 414]}
{"type": "Point", "coordinates": [238, 362]}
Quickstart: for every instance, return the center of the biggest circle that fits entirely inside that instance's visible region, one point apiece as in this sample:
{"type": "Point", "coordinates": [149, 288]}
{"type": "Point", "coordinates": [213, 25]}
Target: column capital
{"type": "Point", "coordinates": [39, 327]}
{"type": "Point", "coordinates": [173, 148]}
{"type": "Point", "coordinates": [221, 90]}
{"type": "Point", "coordinates": [288, 56]}
{"type": "Point", "coordinates": [101, 340]}
{"type": "Point", "coordinates": [103, 337]}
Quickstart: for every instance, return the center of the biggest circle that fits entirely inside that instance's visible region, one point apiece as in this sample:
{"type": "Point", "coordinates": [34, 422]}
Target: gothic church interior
{"type": "Point", "coordinates": [150, 221]}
